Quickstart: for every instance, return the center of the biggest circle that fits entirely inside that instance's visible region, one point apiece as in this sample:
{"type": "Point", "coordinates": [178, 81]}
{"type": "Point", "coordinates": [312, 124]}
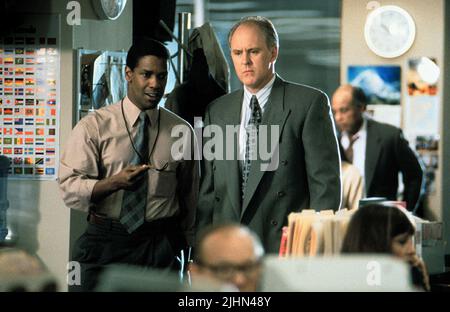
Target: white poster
{"type": "Point", "coordinates": [421, 115]}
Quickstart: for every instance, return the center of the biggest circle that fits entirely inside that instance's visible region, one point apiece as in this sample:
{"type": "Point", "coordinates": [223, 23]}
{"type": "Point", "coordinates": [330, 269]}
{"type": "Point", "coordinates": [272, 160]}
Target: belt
{"type": "Point", "coordinates": [105, 222]}
{"type": "Point", "coordinates": [160, 225]}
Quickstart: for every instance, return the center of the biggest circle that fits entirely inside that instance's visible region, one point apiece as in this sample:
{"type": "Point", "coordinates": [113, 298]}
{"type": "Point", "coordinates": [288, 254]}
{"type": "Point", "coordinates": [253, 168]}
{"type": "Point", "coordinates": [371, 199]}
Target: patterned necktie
{"type": "Point", "coordinates": [251, 142]}
{"type": "Point", "coordinates": [134, 202]}
{"type": "Point", "coordinates": [349, 150]}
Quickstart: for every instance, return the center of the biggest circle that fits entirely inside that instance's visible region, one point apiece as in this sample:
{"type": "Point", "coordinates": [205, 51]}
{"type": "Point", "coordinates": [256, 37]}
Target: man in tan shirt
{"type": "Point", "coordinates": [119, 167]}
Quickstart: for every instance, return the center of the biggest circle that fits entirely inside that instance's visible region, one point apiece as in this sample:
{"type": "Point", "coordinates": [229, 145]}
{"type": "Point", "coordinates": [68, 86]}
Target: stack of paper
{"type": "Point", "coordinates": [309, 233]}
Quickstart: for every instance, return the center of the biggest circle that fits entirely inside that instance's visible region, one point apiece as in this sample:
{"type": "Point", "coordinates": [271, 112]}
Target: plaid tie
{"type": "Point", "coordinates": [252, 139]}
{"type": "Point", "coordinates": [134, 202]}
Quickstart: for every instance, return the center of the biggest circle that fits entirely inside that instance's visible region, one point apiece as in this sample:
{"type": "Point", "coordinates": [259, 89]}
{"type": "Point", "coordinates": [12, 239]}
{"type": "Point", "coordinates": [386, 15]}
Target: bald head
{"type": "Point", "coordinates": [348, 104]}
{"type": "Point", "coordinates": [229, 253]}
{"type": "Point", "coordinates": [229, 237]}
{"type": "Point", "coordinates": [355, 95]}
{"type": "Point", "coordinates": [344, 92]}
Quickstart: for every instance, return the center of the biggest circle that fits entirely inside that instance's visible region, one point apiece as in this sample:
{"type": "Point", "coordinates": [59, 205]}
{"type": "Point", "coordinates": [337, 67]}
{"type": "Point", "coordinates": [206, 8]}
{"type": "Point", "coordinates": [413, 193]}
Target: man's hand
{"type": "Point", "coordinates": [127, 179]}
{"type": "Point", "coordinates": [130, 177]}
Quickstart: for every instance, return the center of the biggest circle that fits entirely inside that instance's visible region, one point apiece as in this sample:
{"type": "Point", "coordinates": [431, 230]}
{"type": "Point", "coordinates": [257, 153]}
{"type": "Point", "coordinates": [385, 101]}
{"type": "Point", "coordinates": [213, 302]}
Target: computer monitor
{"type": "Point", "coordinates": [128, 278]}
{"type": "Point", "coordinates": [349, 273]}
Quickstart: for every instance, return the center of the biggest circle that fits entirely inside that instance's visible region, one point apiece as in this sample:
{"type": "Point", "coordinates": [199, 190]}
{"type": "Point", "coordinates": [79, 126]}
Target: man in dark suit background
{"type": "Point", "coordinates": [304, 172]}
{"type": "Point", "coordinates": [378, 150]}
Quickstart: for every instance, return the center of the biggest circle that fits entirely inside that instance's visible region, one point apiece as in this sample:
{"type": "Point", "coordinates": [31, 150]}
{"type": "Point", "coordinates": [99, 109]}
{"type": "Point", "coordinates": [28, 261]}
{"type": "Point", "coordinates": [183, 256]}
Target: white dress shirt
{"type": "Point", "coordinates": [262, 96]}
{"type": "Point", "coordinates": [359, 148]}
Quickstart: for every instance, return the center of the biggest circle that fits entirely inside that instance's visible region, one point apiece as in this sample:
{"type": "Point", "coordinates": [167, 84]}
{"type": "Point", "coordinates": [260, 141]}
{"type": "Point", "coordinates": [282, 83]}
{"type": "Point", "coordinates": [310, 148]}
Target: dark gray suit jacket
{"type": "Point", "coordinates": [387, 154]}
{"type": "Point", "coordinates": [308, 173]}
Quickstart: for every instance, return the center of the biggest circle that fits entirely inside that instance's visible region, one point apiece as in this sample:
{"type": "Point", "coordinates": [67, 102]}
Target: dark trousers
{"type": "Point", "coordinates": [155, 244]}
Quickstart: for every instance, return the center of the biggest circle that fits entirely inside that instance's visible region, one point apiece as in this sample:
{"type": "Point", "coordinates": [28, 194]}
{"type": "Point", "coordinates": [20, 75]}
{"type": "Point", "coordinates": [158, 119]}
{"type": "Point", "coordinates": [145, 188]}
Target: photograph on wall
{"type": "Point", "coordinates": [381, 84]}
{"type": "Point", "coordinates": [29, 99]}
{"type": "Point", "coordinates": [422, 76]}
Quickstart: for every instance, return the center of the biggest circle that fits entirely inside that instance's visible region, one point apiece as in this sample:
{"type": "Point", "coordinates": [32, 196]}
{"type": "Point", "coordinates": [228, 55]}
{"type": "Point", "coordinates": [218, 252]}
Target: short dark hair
{"type": "Point", "coordinates": [264, 24]}
{"type": "Point", "coordinates": [372, 228]}
{"type": "Point", "coordinates": [223, 226]}
{"type": "Point", "coordinates": [359, 98]}
{"type": "Point", "coordinates": [143, 47]}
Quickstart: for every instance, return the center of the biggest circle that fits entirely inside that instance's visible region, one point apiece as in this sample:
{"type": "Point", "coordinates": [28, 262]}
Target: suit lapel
{"type": "Point", "coordinates": [275, 114]}
{"type": "Point", "coordinates": [373, 147]}
{"type": "Point", "coordinates": [233, 118]}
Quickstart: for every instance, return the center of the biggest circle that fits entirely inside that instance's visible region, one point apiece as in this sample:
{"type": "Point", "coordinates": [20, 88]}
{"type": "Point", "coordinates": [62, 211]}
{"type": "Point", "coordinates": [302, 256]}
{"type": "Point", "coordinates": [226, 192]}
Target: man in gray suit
{"type": "Point", "coordinates": [304, 172]}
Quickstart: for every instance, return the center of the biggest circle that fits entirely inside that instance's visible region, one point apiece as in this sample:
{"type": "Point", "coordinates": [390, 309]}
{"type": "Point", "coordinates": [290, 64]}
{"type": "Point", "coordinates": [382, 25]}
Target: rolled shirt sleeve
{"type": "Point", "coordinates": [79, 171]}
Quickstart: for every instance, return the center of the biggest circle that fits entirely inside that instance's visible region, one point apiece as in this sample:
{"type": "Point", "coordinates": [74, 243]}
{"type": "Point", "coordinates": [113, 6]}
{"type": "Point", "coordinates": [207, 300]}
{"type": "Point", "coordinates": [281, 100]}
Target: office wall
{"type": "Point", "coordinates": [429, 20]}
{"type": "Point", "coordinates": [98, 34]}
{"type": "Point", "coordinates": [42, 221]}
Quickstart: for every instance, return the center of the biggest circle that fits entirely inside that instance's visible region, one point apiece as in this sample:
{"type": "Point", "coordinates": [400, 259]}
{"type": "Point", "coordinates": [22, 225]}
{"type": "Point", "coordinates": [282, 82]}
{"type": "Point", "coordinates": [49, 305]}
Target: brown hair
{"type": "Point", "coordinates": [372, 228]}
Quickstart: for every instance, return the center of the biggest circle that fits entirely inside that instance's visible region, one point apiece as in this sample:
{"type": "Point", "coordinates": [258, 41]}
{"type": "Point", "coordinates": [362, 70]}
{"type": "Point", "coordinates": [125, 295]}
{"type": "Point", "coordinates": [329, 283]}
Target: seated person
{"type": "Point", "coordinates": [228, 253]}
{"type": "Point", "coordinates": [352, 186]}
{"type": "Point", "coordinates": [387, 229]}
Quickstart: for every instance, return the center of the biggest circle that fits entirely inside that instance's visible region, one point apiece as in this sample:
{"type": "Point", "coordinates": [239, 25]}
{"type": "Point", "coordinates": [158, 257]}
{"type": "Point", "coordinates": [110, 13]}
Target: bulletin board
{"type": "Point", "coordinates": [30, 98]}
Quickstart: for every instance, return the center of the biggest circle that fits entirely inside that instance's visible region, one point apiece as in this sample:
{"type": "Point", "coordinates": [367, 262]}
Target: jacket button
{"type": "Point", "coordinates": [217, 199]}
{"type": "Point", "coordinates": [284, 162]}
{"type": "Point", "coordinates": [280, 194]}
{"type": "Point", "coordinates": [274, 222]}
{"type": "Point", "coordinates": [214, 167]}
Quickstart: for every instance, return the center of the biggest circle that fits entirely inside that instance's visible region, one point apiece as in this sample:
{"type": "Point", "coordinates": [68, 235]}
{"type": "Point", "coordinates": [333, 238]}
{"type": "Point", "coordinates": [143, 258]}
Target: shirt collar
{"type": "Point", "coordinates": [361, 133]}
{"type": "Point", "coordinates": [263, 94]}
{"type": "Point", "coordinates": [132, 113]}
{"type": "Point", "coordinates": [363, 130]}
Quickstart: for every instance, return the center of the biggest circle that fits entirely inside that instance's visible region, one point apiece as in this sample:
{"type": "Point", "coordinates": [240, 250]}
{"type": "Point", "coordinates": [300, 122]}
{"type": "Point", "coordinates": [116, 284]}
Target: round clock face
{"type": "Point", "coordinates": [109, 9]}
{"type": "Point", "coordinates": [389, 31]}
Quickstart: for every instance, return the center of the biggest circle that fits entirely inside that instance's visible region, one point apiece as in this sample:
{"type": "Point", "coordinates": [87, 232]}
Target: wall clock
{"type": "Point", "coordinates": [109, 9]}
{"type": "Point", "coordinates": [389, 31]}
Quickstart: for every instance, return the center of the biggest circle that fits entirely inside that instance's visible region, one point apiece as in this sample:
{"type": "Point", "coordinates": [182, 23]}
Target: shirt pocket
{"type": "Point", "coordinates": [163, 183]}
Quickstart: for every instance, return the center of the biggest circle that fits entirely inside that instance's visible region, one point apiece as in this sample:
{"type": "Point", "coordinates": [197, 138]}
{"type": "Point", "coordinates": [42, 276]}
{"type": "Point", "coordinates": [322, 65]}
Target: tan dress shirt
{"type": "Point", "coordinates": [100, 147]}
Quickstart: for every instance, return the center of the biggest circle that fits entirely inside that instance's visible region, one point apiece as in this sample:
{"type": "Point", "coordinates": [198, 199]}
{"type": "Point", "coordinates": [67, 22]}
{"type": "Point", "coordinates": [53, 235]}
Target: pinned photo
{"type": "Point", "coordinates": [422, 77]}
{"type": "Point", "coordinates": [381, 84]}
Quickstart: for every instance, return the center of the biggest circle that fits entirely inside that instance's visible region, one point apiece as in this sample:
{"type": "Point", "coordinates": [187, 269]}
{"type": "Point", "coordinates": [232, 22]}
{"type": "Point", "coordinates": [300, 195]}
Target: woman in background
{"type": "Point", "coordinates": [385, 229]}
